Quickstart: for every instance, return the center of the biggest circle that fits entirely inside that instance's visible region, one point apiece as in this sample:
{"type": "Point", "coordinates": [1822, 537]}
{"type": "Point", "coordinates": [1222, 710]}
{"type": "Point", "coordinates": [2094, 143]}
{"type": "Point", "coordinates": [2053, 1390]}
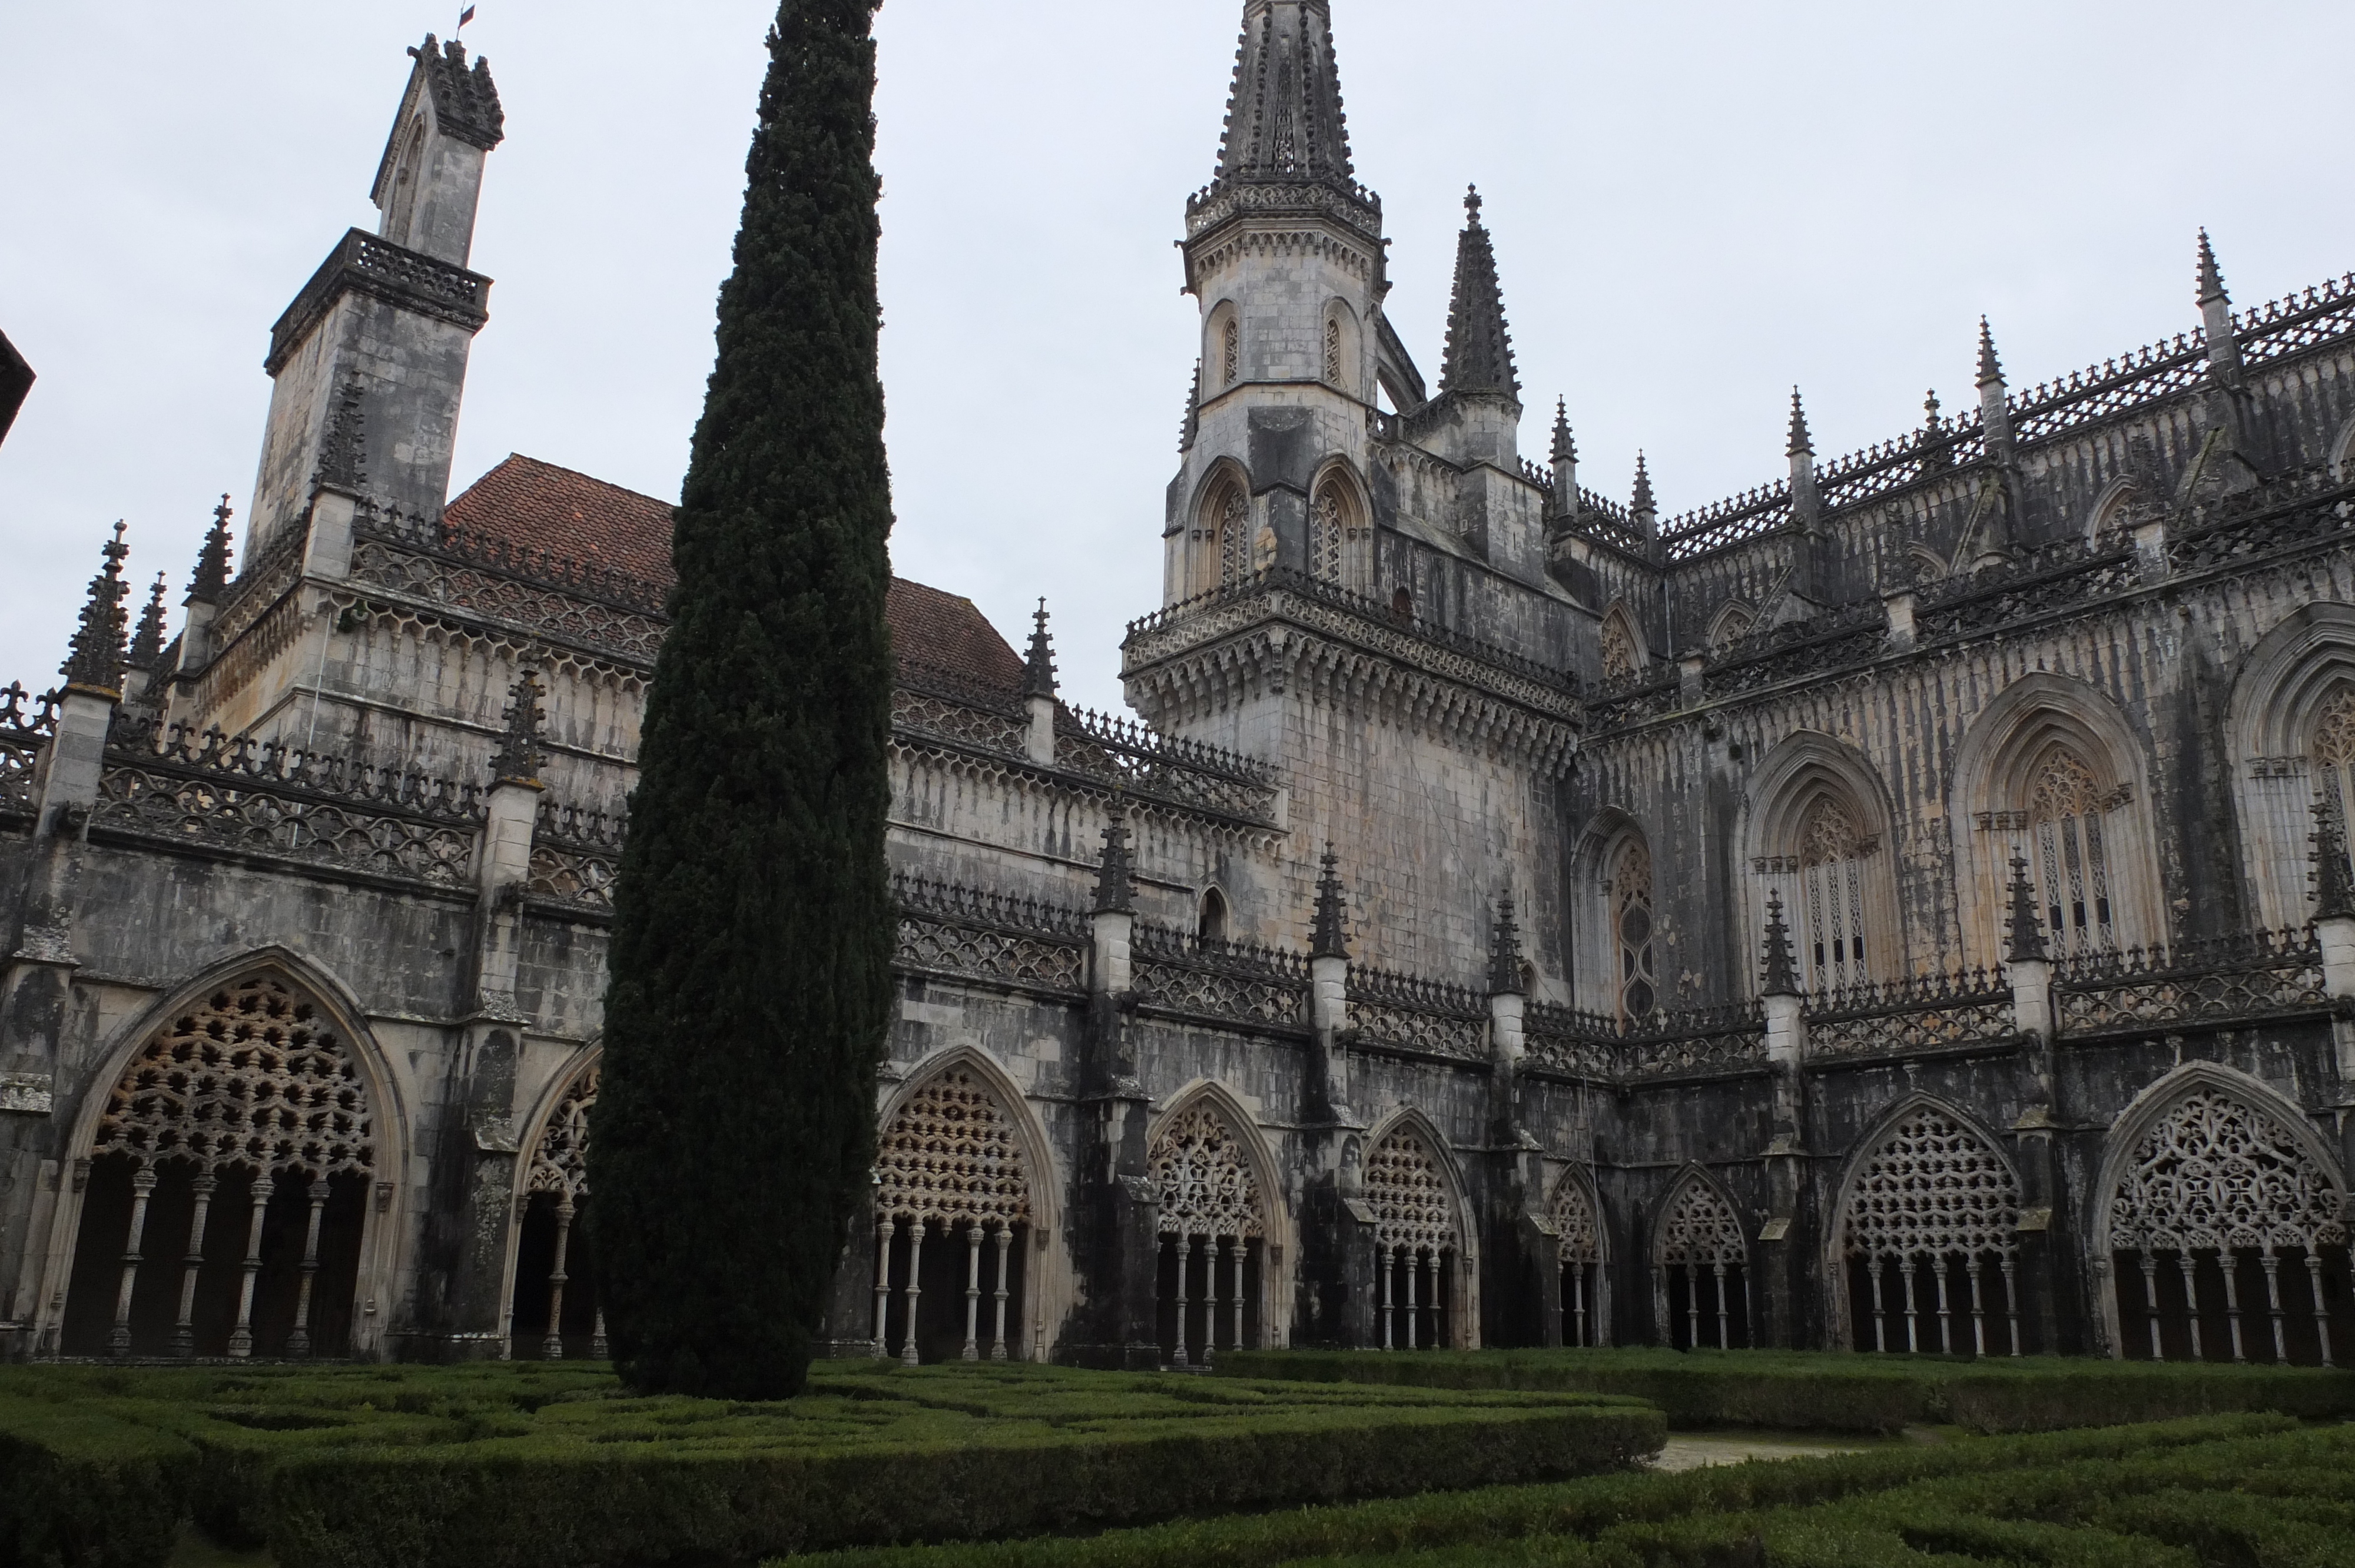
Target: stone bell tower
{"type": "Point", "coordinates": [369, 361]}
{"type": "Point", "coordinates": [1283, 252]}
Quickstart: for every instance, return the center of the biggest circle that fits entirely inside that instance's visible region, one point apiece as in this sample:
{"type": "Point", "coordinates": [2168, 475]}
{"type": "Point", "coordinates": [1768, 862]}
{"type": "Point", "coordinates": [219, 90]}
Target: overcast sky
{"type": "Point", "coordinates": [1695, 205]}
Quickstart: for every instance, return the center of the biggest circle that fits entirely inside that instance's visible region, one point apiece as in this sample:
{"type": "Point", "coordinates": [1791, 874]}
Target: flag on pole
{"type": "Point", "coordinates": [464, 16]}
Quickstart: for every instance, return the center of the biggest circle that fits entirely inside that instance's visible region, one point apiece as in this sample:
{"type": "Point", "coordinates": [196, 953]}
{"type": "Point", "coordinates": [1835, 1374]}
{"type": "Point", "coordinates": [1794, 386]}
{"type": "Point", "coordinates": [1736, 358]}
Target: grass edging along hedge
{"type": "Point", "coordinates": [1844, 1392]}
{"type": "Point", "coordinates": [520, 1467]}
{"type": "Point", "coordinates": [1850, 1511]}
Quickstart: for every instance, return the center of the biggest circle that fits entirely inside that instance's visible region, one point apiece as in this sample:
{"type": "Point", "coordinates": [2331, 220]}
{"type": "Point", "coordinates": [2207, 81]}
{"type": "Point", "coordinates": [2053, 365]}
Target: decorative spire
{"type": "Point", "coordinates": [1479, 345]}
{"type": "Point", "coordinates": [1643, 500]}
{"type": "Point", "coordinates": [1115, 892]}
{"type": "Point", "coordinates": [147, 642]}
{"type": "Point", "coordinates": [1564, 449]}
{"type": "Point", "coordinates": [1191, 425]}
{"type": "Point", "coordinates": [518, 757]}
{"type": "Point", "coordinates": [1039, 667]}
{"type": "Point", "coordinates": [1283, 116]}
{"type": "Point", "coordinates": [2334, 888]}
{"type": "Point", "coordinates": [1782, 975]}
{"type": "Point", "coordinates": [2206, 275]}
{"type": "Point", "coordinates": [2027, 931]}
{"type": "Point", "coordinates": [1801, 444]}
{"type": "Point", "coordinates": [343, 445]}
{"type": "Point", "coordinates": [1990, 367]}
{"type": "Point", "coordinates": [1933, 425]}
{"type": "Point", "coordinates": [94, 658]}
{"type": "Point", "coordinates": [1329, 937]}
{"type": "Point", "coordinates": [1505, 954]}
{"type": "Point", "coordinates": [210, 579]}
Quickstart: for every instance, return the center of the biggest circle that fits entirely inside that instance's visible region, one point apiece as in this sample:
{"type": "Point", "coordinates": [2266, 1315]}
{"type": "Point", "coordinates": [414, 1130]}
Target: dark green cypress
{"type": "Point", "coordinates": [751, 985]}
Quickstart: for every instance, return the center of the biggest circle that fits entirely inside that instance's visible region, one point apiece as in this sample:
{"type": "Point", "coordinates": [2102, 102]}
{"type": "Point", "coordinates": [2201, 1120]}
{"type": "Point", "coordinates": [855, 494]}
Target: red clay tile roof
{"type": "Point", "coordinates": [539, 506]}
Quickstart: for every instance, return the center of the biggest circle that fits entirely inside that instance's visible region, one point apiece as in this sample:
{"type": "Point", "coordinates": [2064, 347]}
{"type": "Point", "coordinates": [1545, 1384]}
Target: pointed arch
{"type": "Point", "coordinates": [1219, 540]}
{"type": "Point", "coordinates": [2217, 1200]}
{"type": "Point", "coordinates": [2285, 733]}
{"type": "Point", "coordinates": [1922, 1253]}
{"type": "Point", "coordinates": [1609, 869]}
{"type": "Point", "coordinates": [249, 1118]}
{"type": "Point", "coordinates": [2110, 507]}
{"type": "Point", "coordinates": [1619, 641]}
{"type": "Point", "coordinates": [1818, 829]}
{"type": "Point", "coordinates": [1222, 1274]}
{"type": "Point", "coordinates": [1222, 341]}
{"type": "Point", "coordinates": [1342, 349]}
{"type": "Point", "coordinates": [1583, 1248]}
{"type": "Point", "coordinates": [552, 1289]}
{"type": "Point", "coordinates": [1340, 532]}
{"type": "Point", "coordinates": [1700, 1256]}
{"type": "Point", "coordinates": [962, 1158]}
{"type": "Point", "coordinates": [1212, 918]}
{"type": "Point", "coordinates": [2052, 771]}
{"type": "Point", "coordinates": [1736, 619]}
{"type": "Point", "coordinates": [1425, 1257]}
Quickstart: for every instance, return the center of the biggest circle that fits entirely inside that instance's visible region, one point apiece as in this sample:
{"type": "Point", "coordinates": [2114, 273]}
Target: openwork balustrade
{"type": "Point", "coordinates": [1730, 1039]}
{"type": "Point", "coordinates": [2247, 976]}
{"type": "Point", "coordinates": [2057, 577]}
{"type": "Point", "coordinates": [564, 600]}
{"type": "Point", "coordinates": [1146, 762]}
{"type": "Point", "coordinates": [1902, 1017]}
{"type": "Point", "coordinates": [238, 793]}
{"type": "Point", "coordinates": [575, 855]}
{"type": "Point", "coordinates": [1429, 1016]}
{"type": "Point", "coordinates": [921, 706]}
{"type": "Point", "coordinates": [22, 737]}
{"type": "Point", "coordinates": [2291, 510]}
{"type": "Point", "coordinates": [1241, 982]}
{"type": "Point", "coordinates": [1018, 942]}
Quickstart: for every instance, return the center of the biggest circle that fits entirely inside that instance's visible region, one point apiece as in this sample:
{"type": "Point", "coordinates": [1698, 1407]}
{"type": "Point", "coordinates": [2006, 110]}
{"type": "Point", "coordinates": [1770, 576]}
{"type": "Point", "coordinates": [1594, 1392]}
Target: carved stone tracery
{"type": "Point", "coordinates": [1933, 1189]}
{"type": "Point", "coordinates": [1205, 1181]}
{"type": "Point", "coordinates": [950, 1155]}
{"type": "Point", "coordinates": [1573, 1222]}
{"type": "Point", "coordinates": [2215, 1174]}
{"type": "Point", "coordinates": [560, 1161]}
{"type": "Point", "coordinates": [1413, 1205]}
{"type": "Point", "coordinates": [1701, 1230]}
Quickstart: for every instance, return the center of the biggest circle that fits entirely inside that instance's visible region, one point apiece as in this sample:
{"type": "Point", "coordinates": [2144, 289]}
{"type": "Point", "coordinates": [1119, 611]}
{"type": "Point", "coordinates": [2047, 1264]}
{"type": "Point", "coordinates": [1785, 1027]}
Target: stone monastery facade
{"type": "Point", "coordinates": [1906, 906]}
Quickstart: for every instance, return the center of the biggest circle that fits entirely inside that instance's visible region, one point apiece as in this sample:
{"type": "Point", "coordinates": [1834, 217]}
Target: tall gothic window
{"type": "Point", "coordinates": [949, 1169]}
{"type": "Point", "coordinates": [2334, 751]}
{"type": "Point", "coordinates": [1620, 658]}
{"type": "Point", "coordinates": [1831, 896]}
{"type": "Point", "coordinates": [1930, 1232]}
{"type": "Point", "coordinates": [1234, 538]}
{"type": "Point", "coordinates": [1417, 1246]}
{"type": "Point", "coordinates": [2065, 855]}
{"type": "Point", "coordinates": [1213, 1227]}
{"type": "Point", "coordinates": [1230, 353]}
{"type": "Point", "coordinates": [1336, 539]}
{"type": "Point", "coordinates": [1630, 892]}
{"type": "Point", "coordinates": [1333, 351]}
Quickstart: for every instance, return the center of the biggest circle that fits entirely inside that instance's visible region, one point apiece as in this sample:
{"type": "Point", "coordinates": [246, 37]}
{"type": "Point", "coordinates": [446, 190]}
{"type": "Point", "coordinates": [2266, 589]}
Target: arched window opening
{"type": "Point", "coordinates": [232, 1164]}
{"type": "Point", "coordinates": [1581, 1242]}
{"type": "Point", "coordinates": [1222, 537]}
{"type": "Point", "coordinates": [2221, 1215]}
{"type": "Point", "coordinates": [1213, 1230]}
{"type": "Point", "coordinates": [1621, 657]}
{"type": "Point", "coordinates": [1629, 888]}
{"type": "Point", "coordinates": [1931, 1234]}
{"type": "Point", "coordinates": [1213, 923]}
{"type": "Point", "coordinates": [949, 1170]}
{"type": "Point", "coordinates": [408, 180]}
{"type": "Point", "coordinates": [1337, 535]}
{"type": "Point", "coordinates": [2333, 752]}
{"type": "Point", "coordinates": [1417, 1246]}
{"type": "Point", "coordinates": [1333, 351]}
{"type": "Point", "coordinates": [1734, 623]}
{"type": "Point", "coordinates": [558, 1308]}
{"type": "Point", "coordinates": [1703, 1261]}
{"type": "Point", "coordinates": [2066, 858]}
{"type": "Point", "coordinates": [1230, 353]}
{"type": "Point", "coordinates": [1831, 895]}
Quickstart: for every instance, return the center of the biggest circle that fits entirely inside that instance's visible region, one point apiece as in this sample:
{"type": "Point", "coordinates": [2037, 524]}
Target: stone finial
{"type": "Point", "coordinates": [2026, 927]}
{"type": "Point", "coordinates": [210, 579]}
{"type": "Point", "coordinates": [518, 757]}
{"type": "Point", "coordinates": [147, 642]}
{"type": "Point", "coordinates": [1802, 444]}
{"type": "Point", "coordinates": [1115, 888]}
{"type": "Point", "coordinates": [1933, 423]}
{"type": "Point", "coordinates": [1479, 356]}
{"type": "Point", "coordinates": [1039, 664]}
{"type": "Point", "coordinates": [2208, 276]}
{"type": "Point", "coordinates": [1565, 450]}
{"type": "Point", "coordinates": [1191, 425]}
{"type": "Point", "coordinates": [1643, 506]}
{"type": "Point", "coordinates": [94, 658]}
{"type": "Point", "coordinates": [2334, 888]}
{"type": "Point", "coordinates": [1990, 367]}
{"type": "Point", "coordinates": [1329, 937]}
{"type": "Point", "coordinates": [1505, 954]}
{"type": "Point", "coordinates": [1781, 975]}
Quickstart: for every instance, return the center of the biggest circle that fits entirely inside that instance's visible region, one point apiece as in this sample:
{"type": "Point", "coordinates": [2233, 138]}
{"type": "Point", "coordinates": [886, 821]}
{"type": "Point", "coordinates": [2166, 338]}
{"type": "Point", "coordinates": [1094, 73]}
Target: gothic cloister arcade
{"type": "Point", "coordinates": [226, 1199]}
{"type": "Point", "coordinates": [1585, 1276]}
{"type": "Point", "coordinates": [1700, 1268]}
{"type": "Point", "coordinates": [1215, 1279]}
{"type": "Point", "coordinates": [1423, 1273]}
{"type": "Point", "coordinates": [557, 1309]}
{"type": "Point", "coordinates": [2220, 1220]}
{"type": "Point", "coordinates": [1925, 1248]}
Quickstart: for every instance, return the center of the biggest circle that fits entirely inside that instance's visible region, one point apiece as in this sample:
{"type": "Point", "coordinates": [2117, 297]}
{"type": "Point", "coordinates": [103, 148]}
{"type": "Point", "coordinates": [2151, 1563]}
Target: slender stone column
{"type": "Point", "coordinates": [998, 1335]}
{"type": "Point", "coordinates": [142, 1187]}
{"type": "Point", "coordinates": [1946, 1308]}
{"type": "Point", "coordinates": [1877, 1266]}
{"type": "Point", "coordinates": [2150, 1300]}
{"type": "Point", "coordinates": [884, 1226]}
{"type": "Point", "coordinates": [552, 1347]}
{"type": "Point", "coordinates": [1413, 1306]}
{"type": "Point", "coordinates": [241, 1338]}
{"type": "Point", "coordinates": [2012, 1300]}
{"type": "Point", "coordinates": [183, 1337]}
{"type": "Point", "coordinates": [2321, 1308]}
{"type": "Point", "coordinates": [2273, 1301]}
{"type": "Point", "coordinates": [1185, 1248]}
{"type": "Point", "coordinates": [598, 1350]}
{"type": "Point", "coordinates": [1242, 1248]}
{"type": "Point", "coordinates": [915, 1288]}
{"type": "Point", "coordinates": [973, 1291]}
{"type": "Point", "coordinates": [2191, 1267]}
{"type": "Point", "coordinates": [298, 1341]}
{"type": "Point", "coordinates": [1724, 1311]}
{"type": "Point", "coordinates": [2230, 1265]}
{"type": "Point", "coordinates": [1384, 1259]}
{"type": "Point", "coordinates": [1912, 1307]}
{"type": "Point", "coordinates": [1692, 1307]}
{"type": "Point", "coordinates": [1978, 1309]}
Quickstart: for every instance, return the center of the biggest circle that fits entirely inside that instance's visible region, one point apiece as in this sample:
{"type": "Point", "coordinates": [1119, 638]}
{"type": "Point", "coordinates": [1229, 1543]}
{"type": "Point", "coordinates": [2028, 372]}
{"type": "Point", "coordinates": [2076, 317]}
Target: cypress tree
{"type": "Point", "coordinates": [750, 984]}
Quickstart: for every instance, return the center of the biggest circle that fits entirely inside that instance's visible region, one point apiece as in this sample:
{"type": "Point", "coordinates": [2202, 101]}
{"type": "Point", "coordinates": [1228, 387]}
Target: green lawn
{"type": "Point", "coordinates": [529, 1464]}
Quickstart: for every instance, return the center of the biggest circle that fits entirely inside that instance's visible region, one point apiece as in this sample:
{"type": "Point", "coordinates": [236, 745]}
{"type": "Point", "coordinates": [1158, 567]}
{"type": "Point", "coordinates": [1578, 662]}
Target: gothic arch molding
{"type": "Point", "coordinates": [2030, 720]}
{"type": "Point", "coordinates": [1700, 1256]}
{"type": "Point", "coordinates": [1339, 547]}
{"type": "Point", "coordinates": [2278, 700]}
{"type": "Point", "coordinates": [1619, 639]}
{"type": "Point", "coordinates": [1734, 620]}
{"type": "Point", "coordinates": [1274, 1285]}
{"type": "Point", "coordinates": [1613, 879]}
{"type": "Point", "coordinates": [1396, 1151]}
{"type": "Point", "coordinates": [1341, 352]}
{"type": "Point", "coordinates": [2109, 507]}
{"type": "Point", "coordinates": [1220, 530]}
{"type": "Point", "coordinates": [382, 1239]}
{"type": "Point", "coordinates": [1816, 830]}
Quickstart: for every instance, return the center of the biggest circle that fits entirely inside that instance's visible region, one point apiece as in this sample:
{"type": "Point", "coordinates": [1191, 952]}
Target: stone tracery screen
{"type": "Point", "coordinates": [1630, 892]}
{"type": "Point", "coordinates": [1205, 1179]}
{"type": "Point", "coordinates": [1580, 1245]}
{"type": "Point", "coordinates": [950, 1155]}
{"type": "Point", "coordinates": [560, 1161]}
{"type": "Point", "coordinates": [1702, 1260]}
{"type": "Point", "coordinates": [1413, 1206]}
{"type": "Point", "coordinates": [1931, 1211]}
{"type": "Point", "coordinates": [2333, 752]}
{"type": "Point", "coordinates": [2066, 855]}
{"type": "Point", "coordinates": [1334, 543]}
{"type": "Point", "coordinates": [1832, 849]}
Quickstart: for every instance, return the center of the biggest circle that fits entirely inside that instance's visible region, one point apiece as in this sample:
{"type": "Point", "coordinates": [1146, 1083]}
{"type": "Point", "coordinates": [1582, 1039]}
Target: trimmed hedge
{"type": "Point", "coordinates": [520, 1467]}
{"type": "Point", "coordinates": [2232, 1489]}
{"type": "Point", "coordinates": [1844, 1392]}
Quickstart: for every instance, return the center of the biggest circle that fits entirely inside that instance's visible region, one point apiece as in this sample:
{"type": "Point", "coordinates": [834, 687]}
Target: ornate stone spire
{"type": "Point", "coordinates": [1781, 973]}
{"type": "Point", "coordinates": [1802, 445]}
{"type": "Point", "coordinates": [1564, 449]}
{"type": "Point", "coordinates": [1643, 508]}
{"type": "Point", "coordinates": [1990, 367]}
{"type": "Point", "coordinates": [1479, 346]}
{"type": "Point", "coordinates": [2208, 277]}
{"type": "Point", "coordinates": [2334, 888]}
{"type": "Point", "coordinates": [211, 578]}
{"type": "Point", "coordinates": [1505, 954]}
{"type": "Point", "coordinates": [147, 642]}
{"type": "Point", "coordinates": [1039, 666]}
{"type": "Point", "coordinates": [1329, 937]}
{"type": "Point", "coordinates": [1283, 116]}
{"type": "Point", "coordinates": [94, 658]}
{"type": "Point", "coordinates": [518, 757]}
{"type": "Point", "coordinates": [2026, 930]}
{"type": "Point", "coordinates": [1116, 892]}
